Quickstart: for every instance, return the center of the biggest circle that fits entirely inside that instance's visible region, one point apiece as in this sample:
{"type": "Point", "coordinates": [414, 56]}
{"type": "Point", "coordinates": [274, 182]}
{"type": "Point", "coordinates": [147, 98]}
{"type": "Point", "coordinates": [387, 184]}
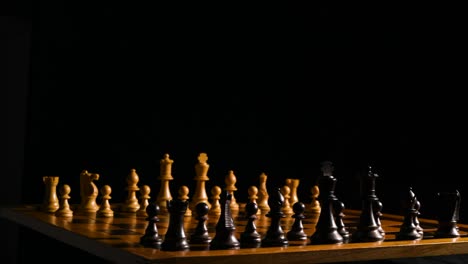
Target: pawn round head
{"type": "Point", "coordinates": [285, 190]}
{"type": "Point", "coordinates": [253, 191]}
{"type": "Point", "coordinates": [65, 189]}
{"type": "Point", "coordinates": [183, 192]}
{"type": "Point", "coordinates": [106, 190]}
{"type": "Point", "coordinates": [152, 209]}
{"type": "Point", "coordinates": [298, 208]}
{"type": "Point", "coordinates": [145, 190]}
{"type": "Point", "coordinates": [216, 190]}
{"type": "Point", "coordinates": [201, 209]}
{"type": "Point", "coordinates": [251, 209]}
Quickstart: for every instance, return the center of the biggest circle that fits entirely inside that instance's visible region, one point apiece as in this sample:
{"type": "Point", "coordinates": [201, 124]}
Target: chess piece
{"type": "Point", "coordinates": [448, 207]}
{"type": "Point", "coordinates": [285, 191]}
{"type": "Point", "coordinates": [297, 229]}
{"type": "Point", "coordinates": [201, 170]}
{"type": "Point", "coordinates": [274, 236]}
{"type": "Point", "coordinates": [183, 196]}
{"type": "Point", "coordinates": [368, 228]}
{"type": "Point", "coordinates": [151, 237]}
{"type": "Point", "coordinates": [64, 207]}
{"type": "Point", "coordinates": [263, 196]}
{"type": "Point", "coordinates": [215, 205]}
{"type": "Point", "coordinates": [131, 203]}
{"type": "Point", "coordinates": [293, 184]}
{"type": "Point", "coordinates": [225, 229]}
{"type": "Point", "coordinates": [175, 238]}
{"type": "Point", "coordinates": [377, 215]}
{"type": "Point", "coordinates": [105, 209]}
{"type": "Point", "coordinates": [165, 176]}
{"type": "Point", "coordinates": [88, 192]}
{"type": "Point", "coordinates": [253, 191]}
{"type": "Point", "coordinates": [417, 207]}
{"type": "Point", "coordinates": [408, 230]}
{"type": "Point", "coordinates": [230, 181]}
{"type": "Point", "coordinates": [144, 197]}
{"type": "Point", "coordinates": [326, 231]}
{"type": "Point", "coordinates": [250, 238]}
{"type": "Point", "coordinates": [51, 201]}
{"type": "Point", "coordinates": [338, 208]}
{"type": "Point", "coordinates": [200, 235]}
{"type": "Point", "coordinates": [315, 204]}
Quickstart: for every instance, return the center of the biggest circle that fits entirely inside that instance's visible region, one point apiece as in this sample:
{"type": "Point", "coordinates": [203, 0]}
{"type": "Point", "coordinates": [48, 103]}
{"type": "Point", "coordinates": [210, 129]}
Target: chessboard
{"type": "Point", "coordinates": [117, 238]}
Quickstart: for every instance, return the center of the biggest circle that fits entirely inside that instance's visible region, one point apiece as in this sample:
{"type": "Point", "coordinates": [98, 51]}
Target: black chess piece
{"type": "Point", "coordinates": [448, 207]}
{"type": "Point", "coordinates": [326, 230]}
{"type": "Point", "coordinates": [368, 228]}
{"type": "Point", "coordinates": [274, 236]}
{"type": "Point", "coordinates": [378, 214]}
{"type": "Point", "coordinates": [200, 235]}
{"type": "Point", "coordinates": [417, 207]}
{"type": "Point", "coordinates": [175, 238]}
{"type": "Point", "coordinates": [408, 229]}
{"type": "Point", "coordinates": [225, 229]}
{"type": "Point", "coordinates": [338, 207]}
{"type": "Point", "coordinates": [151, 237]}
{"type": "Point", "coordinates": [250, 238]}
{"type": "Point", "coordinates": [296, 233]}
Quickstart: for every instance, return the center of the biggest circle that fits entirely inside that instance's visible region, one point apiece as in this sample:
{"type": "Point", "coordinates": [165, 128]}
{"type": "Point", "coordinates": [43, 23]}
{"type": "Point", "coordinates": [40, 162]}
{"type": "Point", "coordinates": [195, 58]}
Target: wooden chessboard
{"type": "Point", "coordinates": [117, 239]}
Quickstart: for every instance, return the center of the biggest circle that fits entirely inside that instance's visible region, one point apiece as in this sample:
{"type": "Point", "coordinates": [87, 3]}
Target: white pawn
{"type": "Point", "coordinates": [64, 207]}
{"type": "Point", "coordinates": [105, 209]}
{"type": "Point", "coordinates": [215, 196]}
{"type": "Point", "coordinates": [144, 197]}
{"type": "Point", "coordinates": [253, 191]}
{"type": "Point", "coordinates": [183, 196]}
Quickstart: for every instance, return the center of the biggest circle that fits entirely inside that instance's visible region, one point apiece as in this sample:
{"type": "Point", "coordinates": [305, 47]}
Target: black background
{"type": "Point", "coordinates": [274, 89]}
{"type": "Point", "coordinates": [260, 88]}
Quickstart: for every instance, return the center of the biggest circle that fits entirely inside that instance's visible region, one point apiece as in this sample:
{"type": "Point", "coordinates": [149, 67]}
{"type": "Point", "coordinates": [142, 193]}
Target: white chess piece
{"type": "Point", "coordinates": [131, 203]}
{"type": "Point", "coordinates": [105, 209]}
{"type": "Point", "coordinates": [144, 197]}
{"type": "Point", "coordinates": [64, 208]}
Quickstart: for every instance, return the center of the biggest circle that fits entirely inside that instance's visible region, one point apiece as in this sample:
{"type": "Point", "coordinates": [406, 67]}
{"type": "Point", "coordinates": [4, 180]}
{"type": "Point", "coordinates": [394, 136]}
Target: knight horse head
{"type": "Point", "coordinates": [87, 186]}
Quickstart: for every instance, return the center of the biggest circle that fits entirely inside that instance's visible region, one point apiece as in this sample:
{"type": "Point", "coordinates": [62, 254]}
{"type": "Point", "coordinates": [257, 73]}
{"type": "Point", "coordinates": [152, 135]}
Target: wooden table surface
{"type": "Point", "coordinates": [116, 239]}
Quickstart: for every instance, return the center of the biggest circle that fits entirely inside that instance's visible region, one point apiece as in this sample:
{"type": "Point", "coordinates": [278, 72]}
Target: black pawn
{"type": "Point", "coordinates": [200, 235]}
{"type": "Point", "coordinates": [225, 229]}
{"type": "Point", "coordinates": [175, 239]}
{"type": "Point", "coordinates": [297, 229]}
{"type": "Point", "coordinates": [250, 238]}
{"type": "Point", "coordinates": [275, 235]}
{"type": "Point", "coordinates": [151, 237]}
